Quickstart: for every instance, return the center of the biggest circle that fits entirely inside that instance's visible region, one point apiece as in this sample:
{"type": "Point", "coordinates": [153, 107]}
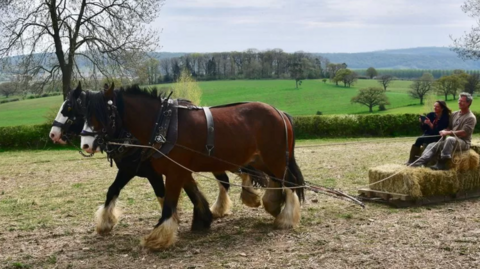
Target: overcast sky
{"type": "Point", "coordinates": [309, 25]}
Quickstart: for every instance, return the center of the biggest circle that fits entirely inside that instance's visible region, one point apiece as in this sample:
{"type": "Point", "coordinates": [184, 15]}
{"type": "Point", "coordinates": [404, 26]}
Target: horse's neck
{"type": "Point", "coordinates": [139, 116]}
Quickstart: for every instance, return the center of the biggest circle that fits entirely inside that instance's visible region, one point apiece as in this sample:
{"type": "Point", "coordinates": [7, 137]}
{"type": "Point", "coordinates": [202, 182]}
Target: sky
{"type": "Point", "coordinates": [309, 25]}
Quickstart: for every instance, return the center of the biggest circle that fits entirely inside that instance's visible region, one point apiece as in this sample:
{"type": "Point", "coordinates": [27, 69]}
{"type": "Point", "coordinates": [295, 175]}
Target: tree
{"type": "Point", "coordinates": [298, 67]}
{"type": "Point", "coordinates": [385, 81]}
{"type": "Point", "coordinates": [186, 87]}
{"type": "Point", "coordinates": [371, 72]}
{"type": "Point", "coordinates": [421, 86]}
{"type": "Point", "coordinates": [371, 97]}
{"type": "Point", "coordinates": [347, 76]}
{"type": "Point", "coordinates": [54, 36]}
{"type": "Point", "coordinates": [472, 84]}
{"type": "Point", "coordinates": [448, 85]}
{"type": "Point", "coordinates": [8, 88]}
{"type": "Point", "coordinates": [467, 46]}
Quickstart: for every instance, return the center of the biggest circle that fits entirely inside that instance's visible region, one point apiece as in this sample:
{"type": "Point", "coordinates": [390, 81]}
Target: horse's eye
{"type": "Point", "coordinates": [69, 108]}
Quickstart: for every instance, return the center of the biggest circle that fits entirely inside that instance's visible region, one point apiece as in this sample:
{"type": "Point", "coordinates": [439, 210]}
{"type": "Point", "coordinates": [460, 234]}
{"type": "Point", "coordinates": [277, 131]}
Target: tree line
{"type": "Point", "coordinates": [250, 64]}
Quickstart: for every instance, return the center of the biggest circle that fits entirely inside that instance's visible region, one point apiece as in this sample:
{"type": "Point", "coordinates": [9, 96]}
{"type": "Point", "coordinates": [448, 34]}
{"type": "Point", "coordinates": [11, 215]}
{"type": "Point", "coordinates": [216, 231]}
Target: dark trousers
{"type": "Point", "coordinates": [426, 140]}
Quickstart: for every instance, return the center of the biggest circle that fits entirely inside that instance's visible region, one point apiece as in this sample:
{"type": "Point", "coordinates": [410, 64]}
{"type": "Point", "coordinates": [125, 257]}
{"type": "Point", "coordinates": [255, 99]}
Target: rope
{"type": "Point", "coordinates": [197, 173]}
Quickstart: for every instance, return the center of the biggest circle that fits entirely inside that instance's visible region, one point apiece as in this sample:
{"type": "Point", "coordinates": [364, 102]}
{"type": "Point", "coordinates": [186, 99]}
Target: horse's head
{"type": "Point", "coordinates": [70, 117]}
{"type": "Point", "coordinates": [102, 120]}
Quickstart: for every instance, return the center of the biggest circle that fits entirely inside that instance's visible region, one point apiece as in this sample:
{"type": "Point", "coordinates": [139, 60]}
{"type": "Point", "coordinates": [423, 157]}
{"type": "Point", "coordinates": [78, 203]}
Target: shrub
{"type": "Point", "coordinates": [319, 113]}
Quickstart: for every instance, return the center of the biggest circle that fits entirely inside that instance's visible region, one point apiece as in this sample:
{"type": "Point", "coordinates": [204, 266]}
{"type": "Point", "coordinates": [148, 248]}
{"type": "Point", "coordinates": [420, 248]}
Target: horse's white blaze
{"type": "Point", "coordinates": [250, 196]}
{"type": "Point", "coordinates": [56, 132]}
{"type": "Point", "coordinates": [290, 215]}
{"type": "Point", "coordinates": [222, 204]}
{"type": "Point", "coordinates": [86, 142]}
{"type": "Point", "coordinates": [163, 236]}
{"type": "Point", "coordinates": [107, 217]}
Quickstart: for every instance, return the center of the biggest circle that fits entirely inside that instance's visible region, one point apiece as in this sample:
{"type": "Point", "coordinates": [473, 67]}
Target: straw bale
{"type": "Point", "coordinates": [415, 182]}
{"type": "Point", "coordinates": [475, 147]}
{"type": "Point", "coordinates": [465, 161]}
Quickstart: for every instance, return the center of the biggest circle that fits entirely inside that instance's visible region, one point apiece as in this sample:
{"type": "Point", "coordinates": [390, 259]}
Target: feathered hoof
{"type": "Point", "coordinates": [162, 236]}
{"type": "Point", "coordinates": [222, 206]}
{"type": "Point", "coordinates": [106, 219]}
{"type": "Point", "coordinates": [251, 197]}
{"type": "Point", "coordinates": [290, 216]}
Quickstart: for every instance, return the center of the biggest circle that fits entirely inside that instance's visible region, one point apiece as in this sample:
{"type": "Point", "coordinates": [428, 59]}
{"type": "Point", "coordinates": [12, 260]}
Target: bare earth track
{"type": "Point", "coordinates": [48, 198]}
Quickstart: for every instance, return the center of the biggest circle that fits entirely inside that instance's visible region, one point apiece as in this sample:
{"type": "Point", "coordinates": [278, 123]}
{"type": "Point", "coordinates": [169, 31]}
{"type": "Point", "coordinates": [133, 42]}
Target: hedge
{"type": "Point", "coordinates": [27, 137]}
{"type": "Point", "coordinates": [306, 127]}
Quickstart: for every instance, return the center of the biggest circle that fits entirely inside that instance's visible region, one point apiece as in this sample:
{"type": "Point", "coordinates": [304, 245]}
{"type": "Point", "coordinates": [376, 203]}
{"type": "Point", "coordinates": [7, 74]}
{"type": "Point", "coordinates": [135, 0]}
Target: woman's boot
{"type": "Point", "coordinates": [414, 154]}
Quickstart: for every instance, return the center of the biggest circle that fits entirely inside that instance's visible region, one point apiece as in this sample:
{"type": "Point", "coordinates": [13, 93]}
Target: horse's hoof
{"type": "Point", "coordinates": [251, 197]}
{"type": "Point", "coordinates": [106, 219]}
{"type": "Point", "coordinates": [162, 236]}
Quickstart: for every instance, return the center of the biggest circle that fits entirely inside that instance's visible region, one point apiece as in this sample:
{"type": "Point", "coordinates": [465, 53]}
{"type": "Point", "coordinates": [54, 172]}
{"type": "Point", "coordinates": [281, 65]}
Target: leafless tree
{"type": "Point", "coordinates": [55, 36]}
{"type": "Point", "coordinates": [385, 80]}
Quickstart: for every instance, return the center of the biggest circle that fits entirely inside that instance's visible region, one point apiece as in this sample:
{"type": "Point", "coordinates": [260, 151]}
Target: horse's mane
{"type": "Point", "coordinates": [152, 92]}
{"type": "Point", "coordinates": [96, 101]}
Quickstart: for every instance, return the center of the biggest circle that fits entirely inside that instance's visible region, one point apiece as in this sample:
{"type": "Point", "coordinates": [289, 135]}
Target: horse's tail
{"type": "Point", "coordinates": [294, 175]}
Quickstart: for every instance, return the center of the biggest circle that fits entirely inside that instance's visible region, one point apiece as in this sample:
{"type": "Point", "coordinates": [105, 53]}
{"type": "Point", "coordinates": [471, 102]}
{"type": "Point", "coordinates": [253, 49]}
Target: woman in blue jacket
{"type": "Point", "coordinates": [433, 123]}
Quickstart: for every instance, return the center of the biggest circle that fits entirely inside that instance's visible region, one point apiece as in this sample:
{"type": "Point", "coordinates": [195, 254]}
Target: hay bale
{"type": "Point", "coordinates": [424, 182]}
{"type": "Point", "coordinates": [415, 182]}
{"type": "Point", "coordinates": [465, 161]}
{"type": "Point", "coordinates": [475, 147]}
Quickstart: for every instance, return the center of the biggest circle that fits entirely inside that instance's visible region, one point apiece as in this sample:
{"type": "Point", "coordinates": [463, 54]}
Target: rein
{"type": "Point", "coordinates": [310, 186]}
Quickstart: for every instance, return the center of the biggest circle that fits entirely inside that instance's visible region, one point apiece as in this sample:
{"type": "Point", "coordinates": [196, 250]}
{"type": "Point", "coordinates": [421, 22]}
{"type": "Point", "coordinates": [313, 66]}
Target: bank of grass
{"type": "Point", "coordinates": [28, 111]}
{"type": "Point", "coordinates": [312, 97]}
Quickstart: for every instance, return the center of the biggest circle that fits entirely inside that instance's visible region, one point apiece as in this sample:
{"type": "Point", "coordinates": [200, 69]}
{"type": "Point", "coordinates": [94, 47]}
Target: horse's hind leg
{"type": "Point", "coordinates": [250, 196]}
{"type": "Point", "coordinates": [222, 205]}
{"type": "Point", "coordinates": [165, 232]}
{"type": "Point", "coordinates": [107, 215]}
{"type": "Point", "coordinates": [202, 217]}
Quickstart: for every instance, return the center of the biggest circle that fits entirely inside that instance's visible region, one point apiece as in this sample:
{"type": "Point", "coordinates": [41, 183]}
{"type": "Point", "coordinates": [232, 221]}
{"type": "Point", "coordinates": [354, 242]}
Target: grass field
{"type": "Point", "coordinates": [313, 96]}
{"type": "Point", "coordinates": [48, 198]}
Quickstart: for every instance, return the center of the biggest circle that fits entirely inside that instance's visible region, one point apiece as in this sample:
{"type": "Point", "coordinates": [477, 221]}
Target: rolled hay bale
{"type": "Point", "coordinates": [415, 182]}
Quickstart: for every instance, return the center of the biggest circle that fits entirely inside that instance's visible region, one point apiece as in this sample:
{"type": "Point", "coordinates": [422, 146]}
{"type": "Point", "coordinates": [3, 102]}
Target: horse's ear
{"type": "Point", "coordinates": [78, 90]}
{"type": "Point", "coordinates": [109, 92]}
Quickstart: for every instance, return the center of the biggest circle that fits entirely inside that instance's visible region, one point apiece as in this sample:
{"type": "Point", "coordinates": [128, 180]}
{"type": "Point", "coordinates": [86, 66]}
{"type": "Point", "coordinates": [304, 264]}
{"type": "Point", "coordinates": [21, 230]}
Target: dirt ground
{"type": "Point", "coordinates": [48, 198]}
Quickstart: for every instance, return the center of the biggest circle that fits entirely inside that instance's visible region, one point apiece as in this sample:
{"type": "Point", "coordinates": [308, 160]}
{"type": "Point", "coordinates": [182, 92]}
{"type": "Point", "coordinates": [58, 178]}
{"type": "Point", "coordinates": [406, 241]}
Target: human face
{"type": "Point", "coordinates": [463, 103]}
{"type": "Point", "coordinates": [437, 108]}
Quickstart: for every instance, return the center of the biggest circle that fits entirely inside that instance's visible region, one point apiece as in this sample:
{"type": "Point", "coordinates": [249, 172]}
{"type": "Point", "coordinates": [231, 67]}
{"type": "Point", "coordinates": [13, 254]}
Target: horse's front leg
{"type": "Point", "coordinates": [155, 179]}
{"type": "Point", "coordinates": [202, 216]}
{"type": "Point", "coordinates": [107, 215]}
{"type": "Point", "coordinates": [165, 232]}
{"type": "Point", "coordinates": [222, 205]}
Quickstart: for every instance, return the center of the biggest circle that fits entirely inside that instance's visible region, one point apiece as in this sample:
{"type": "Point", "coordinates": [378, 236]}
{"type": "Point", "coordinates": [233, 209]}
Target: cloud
{"type": "Point", "coordinates": [310, 25]}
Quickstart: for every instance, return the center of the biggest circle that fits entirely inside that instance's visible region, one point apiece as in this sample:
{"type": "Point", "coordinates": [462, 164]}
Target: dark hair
{"type": "Point", "coordinates": [446, 110]}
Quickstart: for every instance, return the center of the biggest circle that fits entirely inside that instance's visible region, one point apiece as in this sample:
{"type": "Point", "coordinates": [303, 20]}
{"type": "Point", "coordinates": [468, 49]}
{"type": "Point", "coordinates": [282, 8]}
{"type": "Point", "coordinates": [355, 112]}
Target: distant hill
{"type": "Point", "coordinates": [440, 58]}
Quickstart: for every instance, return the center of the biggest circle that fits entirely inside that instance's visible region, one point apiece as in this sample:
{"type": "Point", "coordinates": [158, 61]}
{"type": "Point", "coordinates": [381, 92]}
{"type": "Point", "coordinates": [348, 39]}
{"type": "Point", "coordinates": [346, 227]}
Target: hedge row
{"type": "Point", "coordinates": [306, 127]}
{"type": "Point", "coordinates": [26, 137]}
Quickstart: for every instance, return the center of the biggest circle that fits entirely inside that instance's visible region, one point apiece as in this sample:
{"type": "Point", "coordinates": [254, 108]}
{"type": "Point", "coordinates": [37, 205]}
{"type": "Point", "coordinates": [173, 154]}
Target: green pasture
{"type": "Point", "coordinates": [312, 96]}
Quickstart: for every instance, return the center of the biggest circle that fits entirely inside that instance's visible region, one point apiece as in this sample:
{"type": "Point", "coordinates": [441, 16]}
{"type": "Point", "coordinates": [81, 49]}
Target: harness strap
{"type": "Point", "coordinates": [210, 131]}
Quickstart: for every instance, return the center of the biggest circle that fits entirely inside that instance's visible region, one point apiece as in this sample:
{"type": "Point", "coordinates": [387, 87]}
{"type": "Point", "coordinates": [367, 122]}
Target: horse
{"type": "Point", "coordinates": [70, 120]}
{"type": "Point", "coordinates": [246, 134]}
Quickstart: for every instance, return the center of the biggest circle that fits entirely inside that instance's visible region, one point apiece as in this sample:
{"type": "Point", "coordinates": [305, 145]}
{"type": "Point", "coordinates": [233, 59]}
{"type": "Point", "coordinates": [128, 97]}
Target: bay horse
{"type": "Point", "coordinates": [70, 120]}
{"type": "Point", "coordinates": [247, 134]}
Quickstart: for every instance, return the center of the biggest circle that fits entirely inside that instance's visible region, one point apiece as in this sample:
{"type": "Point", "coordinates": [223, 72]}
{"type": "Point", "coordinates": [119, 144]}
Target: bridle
{"type": "Point", "coordinates": [76, 115]}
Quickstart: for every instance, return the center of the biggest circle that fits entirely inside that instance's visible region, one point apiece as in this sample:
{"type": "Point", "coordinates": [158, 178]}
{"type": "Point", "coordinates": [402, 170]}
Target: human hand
{"type": "Point", "coordinates": [427, 121]}
{"type": "Point", "coordinates": [444, 132]}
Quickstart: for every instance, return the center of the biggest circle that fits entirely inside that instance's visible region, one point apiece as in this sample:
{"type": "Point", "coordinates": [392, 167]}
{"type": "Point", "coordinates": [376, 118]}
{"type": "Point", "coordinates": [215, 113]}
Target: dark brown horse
{"type": "Point", "coordinates": [248, 134]}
